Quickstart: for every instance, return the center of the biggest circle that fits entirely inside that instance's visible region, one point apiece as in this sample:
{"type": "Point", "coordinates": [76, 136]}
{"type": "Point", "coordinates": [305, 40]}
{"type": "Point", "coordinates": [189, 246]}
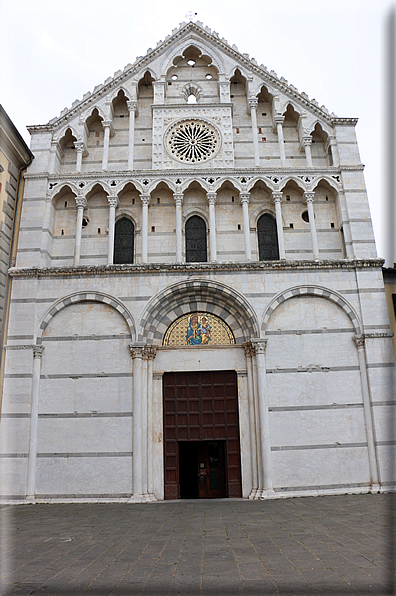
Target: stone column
{"type": "Point", "coordinates": [179, 201]}
{"type": "Point", "coordinates": [145, 203]}
{"type": "Point", "coordinates": [151, 352]}
{"type": "Point", "coordinates": [306, 143]}
{"type": "Point", "coordinates": [279, 121]}
{"type": "Point", "coordinates": [252, 425]}
{"type": "Point", "coordinates": [81, 202]}
{"type": "Point", "coordinates": [113, 202]}
{"type": "Point", "coordinates": [106, 125]}
{"type": "Point", "coordinates": [137, 424]}
{"type": "Point", "coordinates": [252, 104]}
{"type": "Point", "coordinates": [31, 481]}
{"type": "Point", "coordinates": [245, 197]}
{"type": "Point", "coordinates": [309, 199]}
{"type": "Point", "coordinates": [52, 157]}
{"type": "Point", "coordinates": [359, 341]}
{"type": "Point", "coordinates": [211, 196]}
{"type": "Point", "coordinates": [260, 346]}
{"type": "Point", "coordinates": [144, 421]}
{"type": "Point", "coordinates": [133, 108]}
{"type": "Point", "coordinates": [277, 200]}
{"type": "Point", "coordinates": [80, 149]}
{"type": "Point", "coordinates": [258, 428]}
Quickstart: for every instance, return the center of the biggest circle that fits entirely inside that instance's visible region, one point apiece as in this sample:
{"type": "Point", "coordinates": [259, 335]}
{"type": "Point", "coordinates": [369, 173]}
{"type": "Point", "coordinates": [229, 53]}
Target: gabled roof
{"type": "Point", "coordinates": [184, 31]}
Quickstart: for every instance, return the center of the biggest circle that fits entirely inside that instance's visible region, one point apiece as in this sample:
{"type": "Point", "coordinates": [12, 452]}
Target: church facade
{"type": "Point", "coordinates": [197, 306]}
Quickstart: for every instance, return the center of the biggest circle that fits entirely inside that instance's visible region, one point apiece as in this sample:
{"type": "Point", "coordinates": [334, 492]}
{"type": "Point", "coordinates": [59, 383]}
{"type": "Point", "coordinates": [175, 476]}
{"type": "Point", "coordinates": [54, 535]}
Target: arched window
{"type": "Point", "coordinates": [267, 238]}
{"type": "Point", "coordinates": [123, 241]}
{"type": "Point", "coordinates": [196, 250]}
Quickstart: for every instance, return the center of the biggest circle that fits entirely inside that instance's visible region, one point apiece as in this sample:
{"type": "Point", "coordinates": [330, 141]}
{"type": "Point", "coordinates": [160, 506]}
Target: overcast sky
{"type": "Point", "coordinates": [54, 51]}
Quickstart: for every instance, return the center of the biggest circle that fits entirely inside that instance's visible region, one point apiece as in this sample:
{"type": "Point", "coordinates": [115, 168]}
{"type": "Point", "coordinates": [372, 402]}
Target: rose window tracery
{"type": "Point", "coordinates": [192, 141]}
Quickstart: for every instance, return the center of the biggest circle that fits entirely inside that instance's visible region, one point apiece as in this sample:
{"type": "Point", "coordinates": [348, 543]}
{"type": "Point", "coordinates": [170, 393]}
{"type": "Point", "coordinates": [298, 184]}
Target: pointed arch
{"type": "Point", "coordinates": [296, 179]}
{"type": "Point", "coordinates": [105, 187]}
{"type": "Point", "coordinates": [120, 187]}
{"type": "Point", "coordinates": [219, 183]}
{"type": "Point", "coordinates": [266, 181]}
{"type": "Point", "coordinates": [58, 136]}
{"type": "Point", "coordinates": [330, 181]}
{"type": "Point", "coordinates": [59, 187]}
{"type": "Point", "coordinates": [116, 91]}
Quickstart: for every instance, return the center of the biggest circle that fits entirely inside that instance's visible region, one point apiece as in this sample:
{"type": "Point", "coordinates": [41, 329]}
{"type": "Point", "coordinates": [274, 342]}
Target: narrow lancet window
{"type": "Point", "coordinates": [196, 245]}
{"type": "Point", "coordinates": [267, 238]}
{"type": "Point", "coordinates": [124, 241]}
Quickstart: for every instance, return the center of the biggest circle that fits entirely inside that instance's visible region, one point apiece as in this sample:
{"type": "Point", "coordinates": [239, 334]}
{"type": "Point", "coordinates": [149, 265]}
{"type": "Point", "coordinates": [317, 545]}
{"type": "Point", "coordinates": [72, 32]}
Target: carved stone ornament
{"type": "Point", "coordinates": [113, 201]}
{"type": "Point", "coordinates": [359, 341]}
{"type": "Point", "coordinates": [277, 196]}
{"type": "Point", "coordinates": [259, 346]}
{"type": "Point", "coordinates": [245, 197]}
{"type": "Point", "coordinates": [38, 351]}
{"type": "Point", "coordinates": [81, 201]}
{"type": "Point", "coordinates": [192, 141]}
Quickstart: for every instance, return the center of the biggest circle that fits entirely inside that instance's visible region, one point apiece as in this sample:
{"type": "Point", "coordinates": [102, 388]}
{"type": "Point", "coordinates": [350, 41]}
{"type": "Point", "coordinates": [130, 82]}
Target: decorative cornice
{"type": "Point", "coordinates": [190, 172]}
{"type": "Point", "coordinates": [189, 268]}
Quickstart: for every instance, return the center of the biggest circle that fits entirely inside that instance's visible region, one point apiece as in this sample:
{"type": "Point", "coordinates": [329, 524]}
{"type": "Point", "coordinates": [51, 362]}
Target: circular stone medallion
{"type": "Point", "coordinates": [192, 141]}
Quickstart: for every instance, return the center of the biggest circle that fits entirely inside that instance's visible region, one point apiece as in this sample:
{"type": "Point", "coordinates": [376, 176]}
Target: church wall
{"type": "Point", "coordinates": [301, 360]}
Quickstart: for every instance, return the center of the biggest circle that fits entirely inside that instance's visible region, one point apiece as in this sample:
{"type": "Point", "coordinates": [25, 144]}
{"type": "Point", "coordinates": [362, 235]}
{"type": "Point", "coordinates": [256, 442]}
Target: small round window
{"type": "Point", "coordinates": [208, 76]}
{"type": "Point", "coordinates": [174, 77]}
{"type": "Point", "coordinates": [305, 216]}
{"type": "Point", "coordinates": [85, 221]}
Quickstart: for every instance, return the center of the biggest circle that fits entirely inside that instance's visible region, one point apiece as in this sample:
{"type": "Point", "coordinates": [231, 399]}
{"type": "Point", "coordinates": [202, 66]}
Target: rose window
{"type": "Point", "coordinates": [193, 141]}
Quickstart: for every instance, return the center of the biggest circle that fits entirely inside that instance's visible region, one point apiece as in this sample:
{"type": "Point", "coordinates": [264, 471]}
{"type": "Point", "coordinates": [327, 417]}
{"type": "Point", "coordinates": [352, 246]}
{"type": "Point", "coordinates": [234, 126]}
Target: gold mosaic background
{"type": "Point", "coordinates": [213, 331]}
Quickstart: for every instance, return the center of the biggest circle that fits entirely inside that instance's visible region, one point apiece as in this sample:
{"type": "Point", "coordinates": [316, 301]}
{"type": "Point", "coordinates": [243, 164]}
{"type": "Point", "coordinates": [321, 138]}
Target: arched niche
{"type": "Point", "coordinates": [67, 152]}
{"type": "Point", "coordinates": [86, 384]}
{"type": "Point", "coordinates": [313, 384]}
{"type": "Point", "coordinates": [117, 160]}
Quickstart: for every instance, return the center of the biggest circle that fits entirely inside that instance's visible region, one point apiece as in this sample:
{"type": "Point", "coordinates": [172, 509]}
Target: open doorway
{"type": "Point", "coordinates": [202, 469]}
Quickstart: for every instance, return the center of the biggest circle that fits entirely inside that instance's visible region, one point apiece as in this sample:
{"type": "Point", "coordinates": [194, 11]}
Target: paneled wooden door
{"type": "Point", "coordinates": [201, 422]}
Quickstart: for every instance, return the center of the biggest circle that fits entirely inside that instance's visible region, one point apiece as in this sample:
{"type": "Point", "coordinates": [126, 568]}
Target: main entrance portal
{"type": "Point", "coordinates": [201, 435]}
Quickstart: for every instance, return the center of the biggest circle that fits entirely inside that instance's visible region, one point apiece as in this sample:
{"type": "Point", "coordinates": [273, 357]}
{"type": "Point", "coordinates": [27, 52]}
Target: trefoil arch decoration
{"type": "Point", "coordinates": [198, 329]}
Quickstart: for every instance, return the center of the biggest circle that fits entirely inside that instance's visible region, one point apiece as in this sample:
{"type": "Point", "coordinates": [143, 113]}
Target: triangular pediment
{"type": "Point", "coordinates": [225, 57]}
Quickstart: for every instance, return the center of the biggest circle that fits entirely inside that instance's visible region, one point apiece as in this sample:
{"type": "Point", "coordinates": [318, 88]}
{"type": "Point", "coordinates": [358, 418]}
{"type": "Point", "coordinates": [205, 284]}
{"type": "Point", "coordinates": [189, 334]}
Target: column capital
{"type": "Point", "coordinates": [306, 141]}
{"type": "Point", "coordinates": [137, 351]}
{"type": "Point", "coordinates": [81, 201]}
{"type": "Point", "coordinates": [81, 147]}
{"type": "Point", "coordinates": [244, 197]}
{"type": "Point", "coordinates": [259, 345]}
{"type": "Point", "coordinates": [279, 119]}
{"type": "Point", "coordinates": [359, 341]}
{"type": "Point", "coordinates": [132, 106]}
{"type": "Point", "coordinates": [107, 124]}
{"type": "Point", "coordinates": [277, 196]}
{"type": "Point", "coordinates": [149, 352]}
{"type": "Point", "coordinates": [211, 196]}
{"type": "Point", "coordinates": [308, 197]}
{"type": "Point", "coordinates": [178, 196]}
{"type": "Point", "coordinates": [145, 199]}
{"type": "Point", "coordinates": [113, 200]}
{"type": "Point", "coordinates": [249, 351]}
{"type": "Point", "coordinates": [38, 351]}
{"type": "Point", "coordinates": [252, 103]}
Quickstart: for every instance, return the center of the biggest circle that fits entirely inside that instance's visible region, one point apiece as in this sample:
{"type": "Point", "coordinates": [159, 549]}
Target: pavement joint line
{"type": "Point", "coordinates": [181, 549]}
{"type": "Point", "coordinates": [129, 570]}
{"type": "Point", "coordinates": [233, 551]}
{"type": "Point", "coordinates": [78, 546]}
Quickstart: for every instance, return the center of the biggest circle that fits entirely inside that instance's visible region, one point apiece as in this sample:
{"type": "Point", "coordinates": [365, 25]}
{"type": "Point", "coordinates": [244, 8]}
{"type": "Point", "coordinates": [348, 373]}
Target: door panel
{"type": "Point", "coordinates": [202, 407]}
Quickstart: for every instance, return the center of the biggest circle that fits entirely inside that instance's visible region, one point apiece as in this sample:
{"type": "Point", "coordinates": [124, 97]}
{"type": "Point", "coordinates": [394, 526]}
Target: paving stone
{"type": "Point", "coordinates": [165, 548]}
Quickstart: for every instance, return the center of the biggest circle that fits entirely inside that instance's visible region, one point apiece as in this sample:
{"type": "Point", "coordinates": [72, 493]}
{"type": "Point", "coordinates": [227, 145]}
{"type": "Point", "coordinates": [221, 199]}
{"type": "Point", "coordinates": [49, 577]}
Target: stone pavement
{"type": "Point", "coordinates": [333, 545]}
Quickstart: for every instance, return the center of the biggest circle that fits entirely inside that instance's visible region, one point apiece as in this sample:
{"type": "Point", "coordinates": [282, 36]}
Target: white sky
{"type": "Point", "coordinates": [54, 51]}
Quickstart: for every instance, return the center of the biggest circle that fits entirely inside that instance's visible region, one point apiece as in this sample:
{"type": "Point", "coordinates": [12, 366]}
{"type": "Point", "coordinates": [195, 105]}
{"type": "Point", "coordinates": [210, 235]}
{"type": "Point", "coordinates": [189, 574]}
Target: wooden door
{"type": "Point", "coordinates": [202, 407]}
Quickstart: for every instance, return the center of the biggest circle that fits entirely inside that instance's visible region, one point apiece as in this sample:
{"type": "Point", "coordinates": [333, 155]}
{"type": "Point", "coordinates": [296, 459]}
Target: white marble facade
{"type": "Point", "coordinates": [82, 415]}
